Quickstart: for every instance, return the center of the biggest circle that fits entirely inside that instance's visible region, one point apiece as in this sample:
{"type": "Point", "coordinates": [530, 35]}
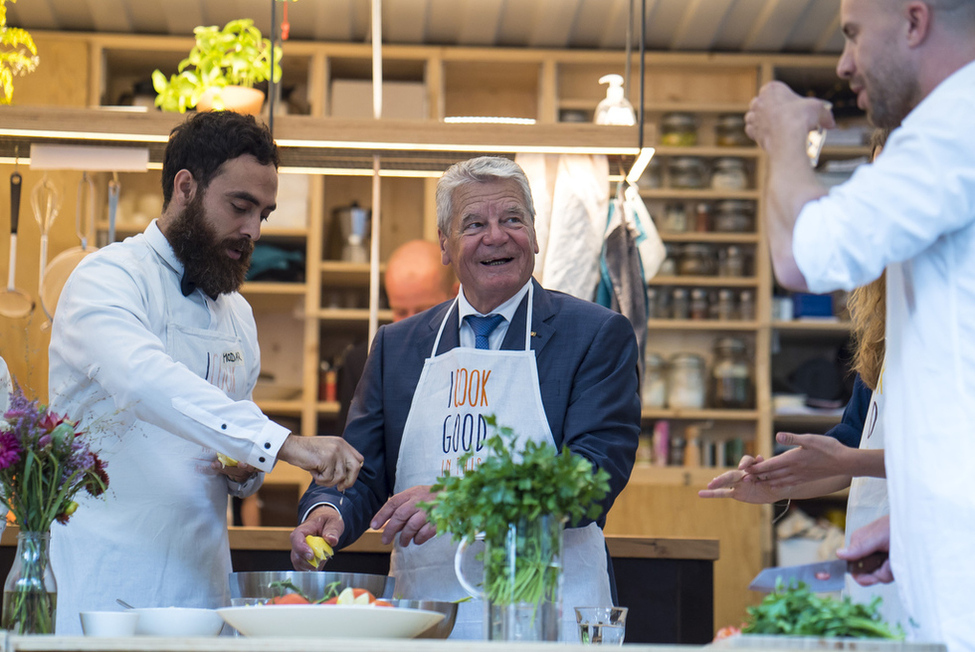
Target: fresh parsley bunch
{"type": "Point", "coordinates": [509, 489]}
{"type": "Point", "coordinates": [511, 485]}
{"type": "Point", "coordinates": [796, 611]}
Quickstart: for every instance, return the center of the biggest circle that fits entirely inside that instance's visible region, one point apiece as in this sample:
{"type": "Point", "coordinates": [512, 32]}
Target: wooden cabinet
{"type": "Point", "coordinates": [304, 323]}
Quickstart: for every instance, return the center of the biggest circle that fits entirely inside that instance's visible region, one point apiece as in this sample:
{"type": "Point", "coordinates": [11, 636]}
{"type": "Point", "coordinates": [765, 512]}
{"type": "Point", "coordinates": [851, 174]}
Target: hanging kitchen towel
{"type": "Point", "coordinates": [652, 250]}
{"type": "Point", "coordinates": [541, 170]}
{"type": "Point", "coordinates": [621, 284]}
{"type": "Point", "coordinates": [568, 257]}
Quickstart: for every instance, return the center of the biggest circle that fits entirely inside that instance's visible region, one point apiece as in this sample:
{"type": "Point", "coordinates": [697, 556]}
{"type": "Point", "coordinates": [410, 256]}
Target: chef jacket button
{"type": "Point", "coordinates": [260, 459]}
{"type": "Point", "coordinates": [267, 444]}
{"type": "Point", "coordinates": [223, 426]}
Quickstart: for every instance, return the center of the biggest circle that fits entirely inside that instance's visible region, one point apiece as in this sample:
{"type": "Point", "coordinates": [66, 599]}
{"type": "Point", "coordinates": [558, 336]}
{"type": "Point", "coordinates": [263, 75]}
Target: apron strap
{"type": "Point", "coordinates": [453, 306]}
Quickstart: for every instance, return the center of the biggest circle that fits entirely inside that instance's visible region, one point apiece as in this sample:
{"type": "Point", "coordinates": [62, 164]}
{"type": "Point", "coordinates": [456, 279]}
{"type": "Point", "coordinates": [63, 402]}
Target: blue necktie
{"type": "Point", "coordinates": [482, 328]}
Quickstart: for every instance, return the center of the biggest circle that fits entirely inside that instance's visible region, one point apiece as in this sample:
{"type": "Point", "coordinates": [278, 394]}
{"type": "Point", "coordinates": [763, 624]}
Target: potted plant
{"type": "Point", "coordinates": [18, 54]}
{"type": "Point", "coordinates": [221, 62]}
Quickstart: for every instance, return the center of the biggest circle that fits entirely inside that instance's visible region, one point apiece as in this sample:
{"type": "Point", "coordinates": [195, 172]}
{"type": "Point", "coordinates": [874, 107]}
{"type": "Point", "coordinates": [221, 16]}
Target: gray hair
{"type": "Point", "coordinates": [479, 170]}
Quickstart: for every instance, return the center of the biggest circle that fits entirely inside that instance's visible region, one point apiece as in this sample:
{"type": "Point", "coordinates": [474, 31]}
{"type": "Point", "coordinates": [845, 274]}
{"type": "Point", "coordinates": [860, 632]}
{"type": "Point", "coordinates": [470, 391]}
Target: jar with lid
{"type": "Point", "coordinates": [685, 381]}
{"type": "Point", "coordinates": [726, 304]}
{"type": "Point", "coordinates": [734, 216]}
{"type": "Point", "coordinates": [679, 306]}
{"type": "Point", "coordinates": [729, 131]}
{"type": "Point", "coordinates": [696, 260]}
{"type": "Point", "coordinates": [669, 265]}
{"type": "Point", "coordinates": [731, 262]}
{"type": "Point", "coordinates": [655, 381]}
{"type": "Point", "coordinates": [729, 174]}
{"type": "Point", "coordinates": [688, 172]}
{"type": "Point", "coordinates": [699, 303]}
{"type": "Point", "coordinates": [652, 177]}
{"type": "Point", "coordinates": [675, 218]}
{"type": "Point", "coordinates": [678, 129]}
{"type": "Point", "coordinates": [746, 305]}
{"type": "Point", "coordinates": [731, 375]}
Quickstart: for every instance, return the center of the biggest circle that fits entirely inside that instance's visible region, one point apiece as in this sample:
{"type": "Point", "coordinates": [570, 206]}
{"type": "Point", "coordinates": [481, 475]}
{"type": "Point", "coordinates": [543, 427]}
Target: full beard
{"type": "Point", "coordinates": [205, 260]}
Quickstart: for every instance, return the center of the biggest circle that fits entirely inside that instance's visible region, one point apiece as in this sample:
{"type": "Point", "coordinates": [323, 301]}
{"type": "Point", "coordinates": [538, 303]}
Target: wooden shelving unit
{"type": "Point", "coordinates": [297, 326]}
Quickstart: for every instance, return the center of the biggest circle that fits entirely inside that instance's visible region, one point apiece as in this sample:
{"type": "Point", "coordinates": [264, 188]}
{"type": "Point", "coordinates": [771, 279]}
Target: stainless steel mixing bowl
{"type": "Point", "coordinates": [441, 629]}
{"type": "Point", "coordinates": [257, 584]}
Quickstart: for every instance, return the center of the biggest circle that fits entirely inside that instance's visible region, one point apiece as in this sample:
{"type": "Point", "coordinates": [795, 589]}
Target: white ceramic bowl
{"type": "Point", "coordinates": [178, 621]}
{"type": "Point", "coordinates": [109, 623]}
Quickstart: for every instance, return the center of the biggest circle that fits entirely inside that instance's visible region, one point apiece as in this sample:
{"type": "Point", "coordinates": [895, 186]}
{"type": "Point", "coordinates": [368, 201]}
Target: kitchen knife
{"type": "Point", "coordinates": [820, 577]}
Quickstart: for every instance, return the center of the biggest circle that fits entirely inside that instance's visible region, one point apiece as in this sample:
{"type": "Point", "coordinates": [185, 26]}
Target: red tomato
{"type": "Point", "coordinates": [726, 632]}
{"type": "Point", "coordinates": [382, 603]}
{"type": "Point", "coordinates": [288, 598]}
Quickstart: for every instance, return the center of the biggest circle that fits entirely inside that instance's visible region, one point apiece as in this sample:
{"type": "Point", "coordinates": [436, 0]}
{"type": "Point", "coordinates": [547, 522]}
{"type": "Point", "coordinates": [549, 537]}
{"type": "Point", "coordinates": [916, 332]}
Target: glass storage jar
{"type": "Point", "coordinates": [696, 260]}
{"type": "Point", "coordinates": [699, 303]}
{"type": "Point", "coordinates": [678, 129]}
{"type": "Point", "coordinates": [652, 177]}
{"type": "Point", "coordinates": [685, 381]}
{"type": "Point", "coordinates": [688, 172]}
{"type": "Point", "coordinates": [729, 174]}
{"type": "Point", "coordinates": [675, 219]}
{"type": "Point", "coordinates": [655, 381]}
{"type": "Point", "coordinates": [726, 305]}
{"type": "Point", "coordinates": [731, 262]}
{"type": "Point", "coordinates": [731, 375]}
{"type": "Point", "coordinates": [734, 216]}
{"type": "Point", "coordinates": [679, 306]}
{"type": "Point", "coordinates": [746, 305]}
{"type": "Point", "coordinates": [729, 131]}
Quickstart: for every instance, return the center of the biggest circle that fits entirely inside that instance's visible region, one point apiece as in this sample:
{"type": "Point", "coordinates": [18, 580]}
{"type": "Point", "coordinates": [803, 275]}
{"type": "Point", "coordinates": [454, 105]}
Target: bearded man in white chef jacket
{"type": "Point", "coordinates": [561, 370]}
{"type": "Point", "coordinates": [911, 63]}
{"type": "Point", "coordinates": [156, 352]}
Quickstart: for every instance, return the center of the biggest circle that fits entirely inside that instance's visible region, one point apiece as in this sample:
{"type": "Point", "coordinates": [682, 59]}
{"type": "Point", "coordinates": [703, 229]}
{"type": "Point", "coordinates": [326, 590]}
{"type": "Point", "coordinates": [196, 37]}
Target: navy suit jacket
{"type": "Point", "coordinates": [587, 369]}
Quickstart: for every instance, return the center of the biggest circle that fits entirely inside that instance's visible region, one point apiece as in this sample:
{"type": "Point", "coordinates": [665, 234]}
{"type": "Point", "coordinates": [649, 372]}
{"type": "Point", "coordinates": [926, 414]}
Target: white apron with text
{"type": "Point", "coordinates": [455, 391]}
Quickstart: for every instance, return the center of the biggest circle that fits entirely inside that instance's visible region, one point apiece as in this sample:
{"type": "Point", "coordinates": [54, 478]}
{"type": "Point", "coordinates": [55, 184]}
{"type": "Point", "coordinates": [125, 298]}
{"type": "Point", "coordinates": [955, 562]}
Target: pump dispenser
{"type": "Point", "coordinates": [614, 110]}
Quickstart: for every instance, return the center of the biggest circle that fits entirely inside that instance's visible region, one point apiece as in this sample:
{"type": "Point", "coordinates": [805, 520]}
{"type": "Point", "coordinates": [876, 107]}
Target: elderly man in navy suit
{"type": "Point", "coordinates": [551, 366]}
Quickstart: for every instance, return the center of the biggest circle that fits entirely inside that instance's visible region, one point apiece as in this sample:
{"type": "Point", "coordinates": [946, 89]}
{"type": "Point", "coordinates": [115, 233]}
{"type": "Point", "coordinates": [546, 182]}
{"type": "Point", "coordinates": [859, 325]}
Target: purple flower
{"type": "Point", "coordinates": [9, 450]}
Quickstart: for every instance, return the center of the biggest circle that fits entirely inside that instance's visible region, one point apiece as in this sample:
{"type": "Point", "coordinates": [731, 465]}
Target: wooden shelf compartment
{"type": "Point", "coordinates": [339, 272]}
{"type": "Point", "coordinates": [701, 325]}
{"type": "Point", "coordinates": [702, 194]}
{"type": "Point", "coordinates": [705, 414]}
{"type": "Point", "coordinates": [711, 237]}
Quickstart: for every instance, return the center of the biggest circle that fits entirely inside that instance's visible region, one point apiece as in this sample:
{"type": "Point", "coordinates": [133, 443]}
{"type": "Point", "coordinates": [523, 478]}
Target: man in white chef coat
{"type": "Point", "coordinates": [156, 352]}
{"type": "Point", "coordinates": [562, 370]}
{"type": "Point", "coordinates": [910, 63]}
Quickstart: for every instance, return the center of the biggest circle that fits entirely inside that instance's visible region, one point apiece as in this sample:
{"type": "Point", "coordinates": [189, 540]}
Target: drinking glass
{"type": "Point", "coordinates": [601, 625]}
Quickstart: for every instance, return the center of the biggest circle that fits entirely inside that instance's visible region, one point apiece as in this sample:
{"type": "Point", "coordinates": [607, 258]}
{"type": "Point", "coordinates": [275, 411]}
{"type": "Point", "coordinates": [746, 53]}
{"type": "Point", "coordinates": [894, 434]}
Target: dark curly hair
{"type": "Point", "coordinates": [206, 140]}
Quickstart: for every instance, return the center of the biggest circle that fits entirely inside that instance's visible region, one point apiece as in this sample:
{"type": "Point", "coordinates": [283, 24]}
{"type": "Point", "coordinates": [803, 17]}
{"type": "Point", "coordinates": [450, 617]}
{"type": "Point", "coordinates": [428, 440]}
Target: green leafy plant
{"type": "Point", "coordinates": [18, 54]}
{"type": "Point", "coordinates": [236, 55]}
{"type": "Point", "coordinates": [512, 487]}
{"type": "Point", "coordinates": [796, 611]}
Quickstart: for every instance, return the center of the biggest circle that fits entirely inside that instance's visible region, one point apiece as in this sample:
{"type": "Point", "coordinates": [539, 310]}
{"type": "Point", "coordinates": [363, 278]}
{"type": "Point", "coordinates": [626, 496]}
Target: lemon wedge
{"type": "Point", "coordinates": [226, 461]}
{"type": "Point", "coordinates": [323, 551]}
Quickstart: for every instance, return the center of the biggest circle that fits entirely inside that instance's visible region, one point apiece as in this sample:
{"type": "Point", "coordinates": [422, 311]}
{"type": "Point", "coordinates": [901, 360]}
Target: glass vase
{"type": "Point", "coordinates": [30, 592]}
{"type": "Point", "coordinates": [523, 582]}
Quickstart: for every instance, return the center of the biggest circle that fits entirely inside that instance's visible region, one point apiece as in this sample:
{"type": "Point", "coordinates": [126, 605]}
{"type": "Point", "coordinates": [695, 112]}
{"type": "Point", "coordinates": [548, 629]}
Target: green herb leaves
{"type": "Point", "coordinates": [797, 611]}
{"type": "Point", "coordinates": [510, 485]}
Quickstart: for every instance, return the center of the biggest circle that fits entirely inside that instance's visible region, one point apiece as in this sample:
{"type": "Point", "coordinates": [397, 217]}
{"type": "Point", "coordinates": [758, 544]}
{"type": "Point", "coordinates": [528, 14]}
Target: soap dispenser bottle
{"type": "Point", "coordinates": [615, 109]}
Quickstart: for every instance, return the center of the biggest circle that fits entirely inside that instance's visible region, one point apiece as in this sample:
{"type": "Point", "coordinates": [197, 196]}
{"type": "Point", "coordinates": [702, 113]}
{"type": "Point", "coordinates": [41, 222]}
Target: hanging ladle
{"type": "Point", "coordinates": [45, 199]}
{"type": "Point", "coordinates": [14, 303]}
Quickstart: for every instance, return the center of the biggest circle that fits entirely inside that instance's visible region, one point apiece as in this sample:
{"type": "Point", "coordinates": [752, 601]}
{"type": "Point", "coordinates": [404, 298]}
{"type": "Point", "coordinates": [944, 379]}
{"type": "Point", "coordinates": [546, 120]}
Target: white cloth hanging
{"type": "Point", "coordinates": [570, 217]}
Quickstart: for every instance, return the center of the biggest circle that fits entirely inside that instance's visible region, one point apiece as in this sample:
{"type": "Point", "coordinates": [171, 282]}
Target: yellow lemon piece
{"type": "Point", "coordinates": [323, 551]}
{"type": "Point", "coordinates": [226, 461]}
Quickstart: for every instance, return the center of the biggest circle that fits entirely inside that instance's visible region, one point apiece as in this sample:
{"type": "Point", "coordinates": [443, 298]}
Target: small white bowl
{"type": "Point", "coordinates": [109, 623]}
{"type": "Point", "coordinates": [178, 621]}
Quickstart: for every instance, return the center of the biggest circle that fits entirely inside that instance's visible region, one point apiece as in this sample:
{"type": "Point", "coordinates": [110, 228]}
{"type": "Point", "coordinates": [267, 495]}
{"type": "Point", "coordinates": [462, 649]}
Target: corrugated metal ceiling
{"type": "Point", "coordinates": [781, 26]}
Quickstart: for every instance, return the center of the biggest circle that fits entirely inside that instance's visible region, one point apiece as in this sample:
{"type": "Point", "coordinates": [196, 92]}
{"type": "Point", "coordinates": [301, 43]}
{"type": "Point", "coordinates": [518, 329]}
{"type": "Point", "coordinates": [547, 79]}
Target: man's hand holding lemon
{"type": "Point", "coordinates": [236, 471]}
{"type": "Point", "coordinates": [323, 526]}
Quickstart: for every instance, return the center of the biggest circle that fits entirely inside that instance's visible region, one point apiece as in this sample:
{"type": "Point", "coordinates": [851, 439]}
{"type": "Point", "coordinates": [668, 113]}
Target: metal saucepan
{"type": "Point", "coordinates": [60, 268]}
{"type": "Point", "coordinates": [45, 199]}
{"type": "Point", "coordinates": [14, 303]}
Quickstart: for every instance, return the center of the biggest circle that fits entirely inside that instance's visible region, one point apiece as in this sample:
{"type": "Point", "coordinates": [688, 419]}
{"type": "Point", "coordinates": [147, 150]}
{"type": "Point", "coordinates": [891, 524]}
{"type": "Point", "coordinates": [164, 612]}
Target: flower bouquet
{"type": "Point", "coordinates": [44, 462]}
{"type": "Point", "coordinates": [518, 501]}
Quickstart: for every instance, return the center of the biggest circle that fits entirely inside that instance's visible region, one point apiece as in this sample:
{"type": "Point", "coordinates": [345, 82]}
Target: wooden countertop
{"type": "Point", "coordinates": [636, 547]}
{"type": "Point", "coordinates": [276, 538]}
